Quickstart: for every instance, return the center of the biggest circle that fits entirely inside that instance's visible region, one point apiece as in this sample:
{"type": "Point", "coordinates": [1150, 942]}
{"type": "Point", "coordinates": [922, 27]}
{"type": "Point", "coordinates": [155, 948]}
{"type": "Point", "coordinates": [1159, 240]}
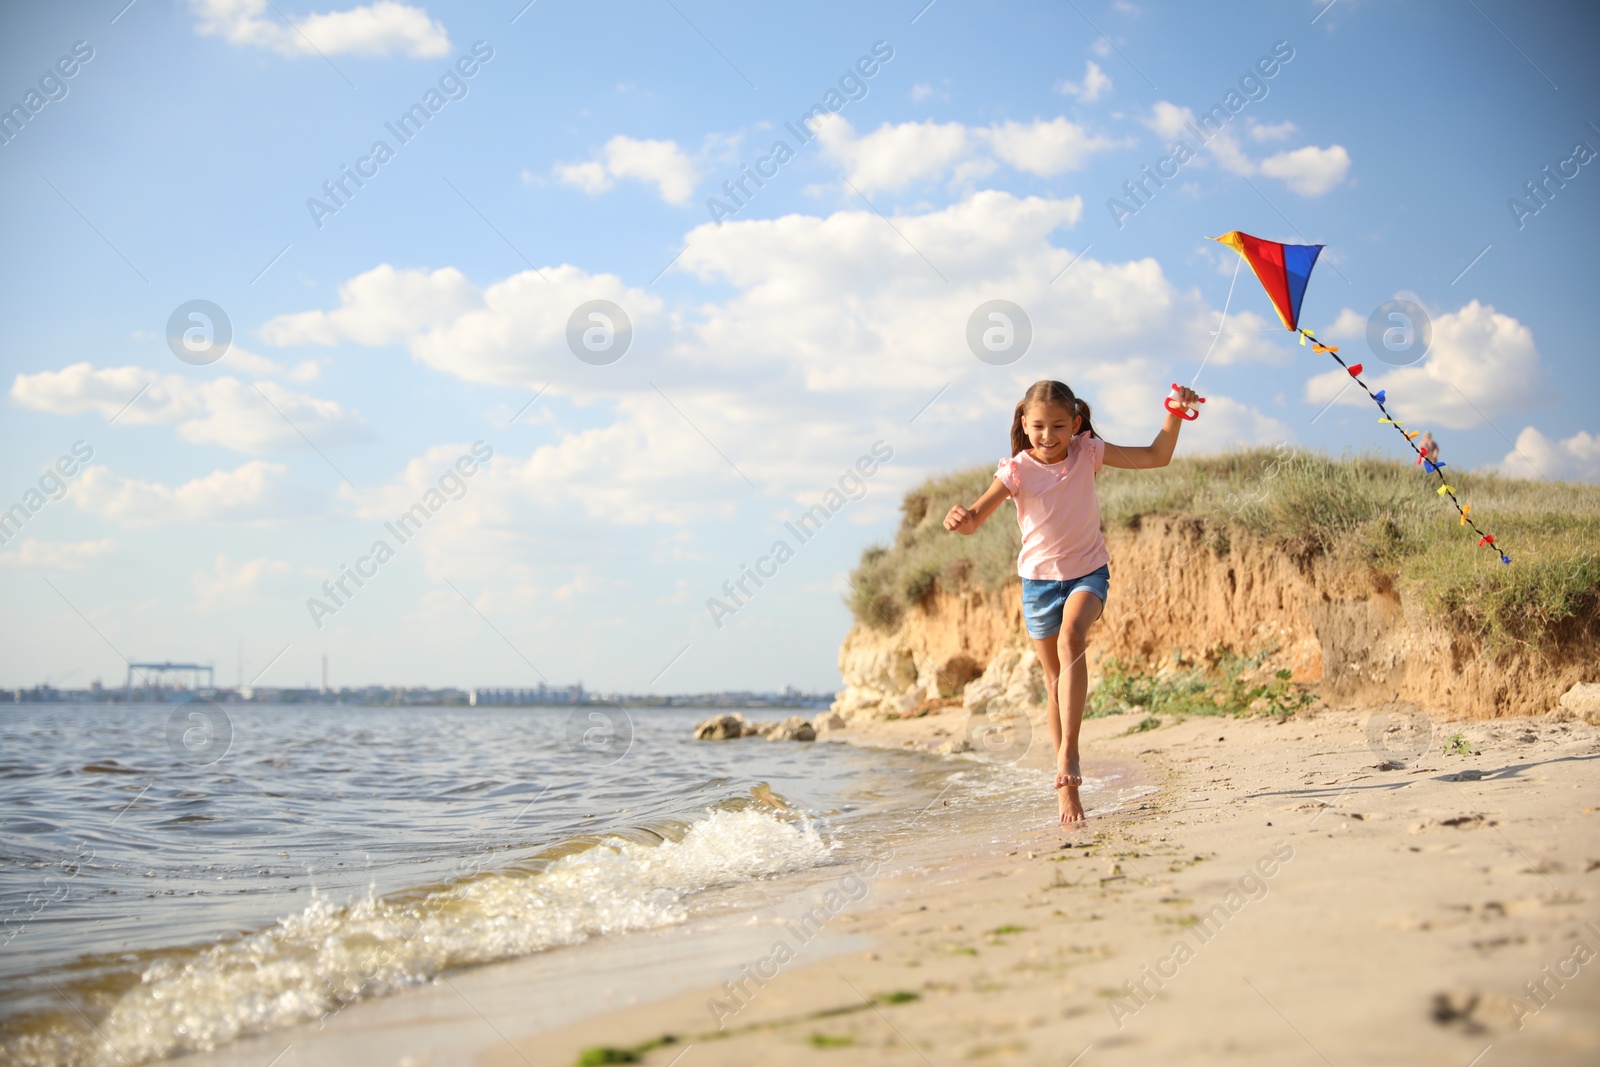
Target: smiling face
{"type": "Point", "coordinates": [1049, 428]}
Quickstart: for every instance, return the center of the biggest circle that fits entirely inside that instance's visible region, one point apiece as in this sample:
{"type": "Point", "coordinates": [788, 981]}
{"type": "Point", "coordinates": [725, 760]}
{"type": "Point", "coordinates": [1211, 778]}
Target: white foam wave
{"type": "Point", "coordinates": [314, 962]}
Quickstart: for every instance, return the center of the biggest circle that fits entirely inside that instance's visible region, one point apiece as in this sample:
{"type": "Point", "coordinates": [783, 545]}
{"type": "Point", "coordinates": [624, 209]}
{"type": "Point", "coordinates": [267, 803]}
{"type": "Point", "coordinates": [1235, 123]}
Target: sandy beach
{"type": "Point", "coordinates": [1274, 896]}
{"type": "Point", "coordinates": [1279, 900]}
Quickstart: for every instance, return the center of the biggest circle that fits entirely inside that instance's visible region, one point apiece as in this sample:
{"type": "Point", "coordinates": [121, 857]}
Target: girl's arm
{"type": "Point", "coordinates": [1159, 452]}
{"type": "Point", "coordinates": [967, 520]}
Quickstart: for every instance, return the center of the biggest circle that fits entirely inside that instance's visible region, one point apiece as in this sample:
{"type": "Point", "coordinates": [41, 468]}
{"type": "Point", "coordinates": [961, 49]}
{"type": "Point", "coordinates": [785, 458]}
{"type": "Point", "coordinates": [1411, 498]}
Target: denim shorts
{"type": "Point", "coordinates": [1045, 599]}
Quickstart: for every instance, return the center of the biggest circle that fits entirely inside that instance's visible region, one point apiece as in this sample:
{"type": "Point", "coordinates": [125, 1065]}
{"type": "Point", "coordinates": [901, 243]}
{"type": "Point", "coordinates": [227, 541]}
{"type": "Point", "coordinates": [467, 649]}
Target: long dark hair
{"type": "Point", "coordinates": [1047, 392]}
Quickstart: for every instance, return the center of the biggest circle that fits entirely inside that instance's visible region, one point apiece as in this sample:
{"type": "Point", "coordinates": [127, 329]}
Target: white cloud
{"type": "Point", "coordinates": [1260, 131]}
{"type": "Point", "coordinates": [58, 555]}
{"type": "Point", "coordinates": [1229, 155]}
{"type": "Point", "coordinates": [646, 467]}
{"type": "Point", "coordinates": [971, 169]}
{"type": "Point", "coordinates": [1309, 171]}
{"type": "Point", "coordinates": [1482, 364]}
{"type": "Point", "coordinates": [662, 163]}
{"type": "Point", "coordinates": [229, 584]}
{"type": "Point", "coordinates": [882, 291]}
{"type": "Point", "coordinates": [1349, 323]}
{"type": "Point", "coordinates": [921, 91]}
{"type": "Point", "coordinates": [895, 156]}
{"type": "Point", "coordinates": [895, 329]}
{"type": "Point", "coordinates": [379, 307]}
{"type": "Point", "coordinates": [512, 333]}
{"type": "Point", "coordinates": [223, 411]}
{"type": "Point", "coordinates": [1171, 122]}
{"type": "Point", "coordinates": [1572, 459]}
{"type": "Point", "coordinates": [1095, 84]}
{"type": "Point", "coordinates": [256, 491]}
{"type": "Point", "coordinates": [1048, 148]}
{"type": "Point", "coordinates": [266, 417]}
{"type": "Point", "coordinates": [1168, 119]}
{"type": "Point", "coordinates": [247, 362]}
{"type": "Point", "coordinates": [591, 177]}
{"type": "Point", "coordinates": [1247, 338]}
{"type": "Point", "coordinates": [376, 29]}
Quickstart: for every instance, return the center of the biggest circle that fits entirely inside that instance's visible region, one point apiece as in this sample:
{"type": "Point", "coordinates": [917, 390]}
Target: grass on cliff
{"type": "Point", "coordinates": [1361, 510]}
{"type": "Point", "coordinates": [1234, 687]}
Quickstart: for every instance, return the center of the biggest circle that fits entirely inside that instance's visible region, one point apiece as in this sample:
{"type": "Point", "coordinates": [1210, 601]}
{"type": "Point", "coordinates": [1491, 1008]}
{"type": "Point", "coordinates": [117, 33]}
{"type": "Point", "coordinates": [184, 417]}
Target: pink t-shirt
{"type": "Point", "coordinates": [1058, 511]}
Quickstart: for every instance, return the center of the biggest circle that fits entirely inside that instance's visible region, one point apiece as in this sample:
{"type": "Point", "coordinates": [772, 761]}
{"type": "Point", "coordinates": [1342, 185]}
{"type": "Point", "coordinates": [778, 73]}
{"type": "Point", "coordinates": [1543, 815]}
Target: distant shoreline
{"type": "Point", "coordinates": [813, 701]}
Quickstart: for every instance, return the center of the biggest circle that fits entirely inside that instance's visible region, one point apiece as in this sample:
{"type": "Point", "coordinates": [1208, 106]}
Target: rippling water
{"type": "Point", "coordinates": [156, 902]}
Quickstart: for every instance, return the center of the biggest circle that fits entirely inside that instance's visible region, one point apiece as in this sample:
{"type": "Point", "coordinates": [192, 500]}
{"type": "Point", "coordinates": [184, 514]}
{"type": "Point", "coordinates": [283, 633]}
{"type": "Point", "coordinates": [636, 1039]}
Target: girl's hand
{"type": "Point", "coordinates": [1187, 397]}
{"type": "Point", "coordinates": [967, 520]}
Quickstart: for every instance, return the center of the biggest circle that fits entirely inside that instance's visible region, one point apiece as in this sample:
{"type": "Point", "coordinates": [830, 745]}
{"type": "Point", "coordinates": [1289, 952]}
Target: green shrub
{"type": "Point", "coordinates": [1224, 690]}
{"type": "Point", "coordinates": [920, 584]}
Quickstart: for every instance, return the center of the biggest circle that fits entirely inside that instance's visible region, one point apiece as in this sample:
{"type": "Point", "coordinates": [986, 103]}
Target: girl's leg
{"type": "Point", "coordinates": [1045, 649]}
{"type": "Point", "coordinates": [1082, 609]}
{"type": "Point", "coordinates": [1071, 810]}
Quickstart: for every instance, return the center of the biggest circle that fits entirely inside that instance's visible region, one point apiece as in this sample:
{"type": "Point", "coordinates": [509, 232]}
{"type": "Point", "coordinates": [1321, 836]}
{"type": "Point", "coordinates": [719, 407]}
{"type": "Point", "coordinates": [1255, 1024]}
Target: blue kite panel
{"type": "Point", "coordinates": [1297, 263]}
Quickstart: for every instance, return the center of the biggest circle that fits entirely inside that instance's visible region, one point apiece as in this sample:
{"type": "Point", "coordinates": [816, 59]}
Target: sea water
{"type": "Point", "coordinates": [153, 902]}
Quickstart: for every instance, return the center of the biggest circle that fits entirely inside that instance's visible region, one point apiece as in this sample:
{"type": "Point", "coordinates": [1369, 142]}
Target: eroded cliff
{"type": "Point", "coordinates": [1350, 631]}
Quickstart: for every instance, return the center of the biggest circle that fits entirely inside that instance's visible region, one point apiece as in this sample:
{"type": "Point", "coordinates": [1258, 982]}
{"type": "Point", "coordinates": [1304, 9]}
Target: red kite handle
{"type": "Point", "coordinates": [1187, 414]}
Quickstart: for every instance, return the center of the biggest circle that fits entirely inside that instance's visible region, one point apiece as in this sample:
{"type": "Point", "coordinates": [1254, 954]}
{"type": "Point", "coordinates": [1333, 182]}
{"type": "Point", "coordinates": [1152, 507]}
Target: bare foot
{"type": "Point", "coordinates": [1071, 807]}
{"type": "Point", "coordinates": [1071, 774]}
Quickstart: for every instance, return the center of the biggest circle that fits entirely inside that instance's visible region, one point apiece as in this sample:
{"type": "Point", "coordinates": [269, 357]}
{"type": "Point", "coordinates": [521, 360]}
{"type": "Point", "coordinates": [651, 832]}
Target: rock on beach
{"type": "Point", "coordinates": [731, 726]}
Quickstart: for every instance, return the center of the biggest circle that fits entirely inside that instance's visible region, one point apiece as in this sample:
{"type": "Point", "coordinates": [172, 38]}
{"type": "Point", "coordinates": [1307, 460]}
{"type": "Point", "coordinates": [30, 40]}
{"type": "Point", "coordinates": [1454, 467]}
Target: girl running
{"type": "Point", "coordinates": [1064, 565]}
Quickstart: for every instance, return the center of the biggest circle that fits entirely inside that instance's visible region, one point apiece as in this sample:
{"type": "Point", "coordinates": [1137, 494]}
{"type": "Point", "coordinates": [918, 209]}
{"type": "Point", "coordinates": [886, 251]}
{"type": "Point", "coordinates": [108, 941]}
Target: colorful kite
{"type": "Point", "coordinates": [1283, 271]}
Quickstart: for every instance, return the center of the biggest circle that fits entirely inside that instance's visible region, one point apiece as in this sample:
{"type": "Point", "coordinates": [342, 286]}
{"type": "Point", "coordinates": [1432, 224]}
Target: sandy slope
{"type": "Point", "coordinates": [1281, 900]}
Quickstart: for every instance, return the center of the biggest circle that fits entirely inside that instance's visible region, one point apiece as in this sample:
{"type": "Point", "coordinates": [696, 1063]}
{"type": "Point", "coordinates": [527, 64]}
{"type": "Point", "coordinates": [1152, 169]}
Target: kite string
{"type": "Point", "coordinates": [1218, 335]}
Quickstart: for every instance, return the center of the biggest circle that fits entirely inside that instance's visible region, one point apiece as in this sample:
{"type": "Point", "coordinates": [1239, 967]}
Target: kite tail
{"type": "Point", "coordinates": [1445, 488]}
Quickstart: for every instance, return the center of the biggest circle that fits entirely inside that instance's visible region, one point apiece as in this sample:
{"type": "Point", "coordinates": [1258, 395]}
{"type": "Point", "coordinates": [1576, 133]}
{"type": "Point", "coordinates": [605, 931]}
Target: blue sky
{"type": "Point", "coordinates": [771, 348]}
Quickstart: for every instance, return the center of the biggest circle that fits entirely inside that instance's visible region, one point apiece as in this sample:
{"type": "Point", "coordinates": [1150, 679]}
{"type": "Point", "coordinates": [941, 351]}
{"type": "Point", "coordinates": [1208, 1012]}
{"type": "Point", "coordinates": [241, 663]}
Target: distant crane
{"type": "Point", "coordinates": [160, 670]}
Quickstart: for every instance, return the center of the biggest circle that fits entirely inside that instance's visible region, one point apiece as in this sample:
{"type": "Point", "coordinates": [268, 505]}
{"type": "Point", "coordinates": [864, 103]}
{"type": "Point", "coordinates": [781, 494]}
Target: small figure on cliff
{"type": "Point", "coordinates": [1064, 565]}
{"type": "Point", "coordinates": [1427, 450]}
